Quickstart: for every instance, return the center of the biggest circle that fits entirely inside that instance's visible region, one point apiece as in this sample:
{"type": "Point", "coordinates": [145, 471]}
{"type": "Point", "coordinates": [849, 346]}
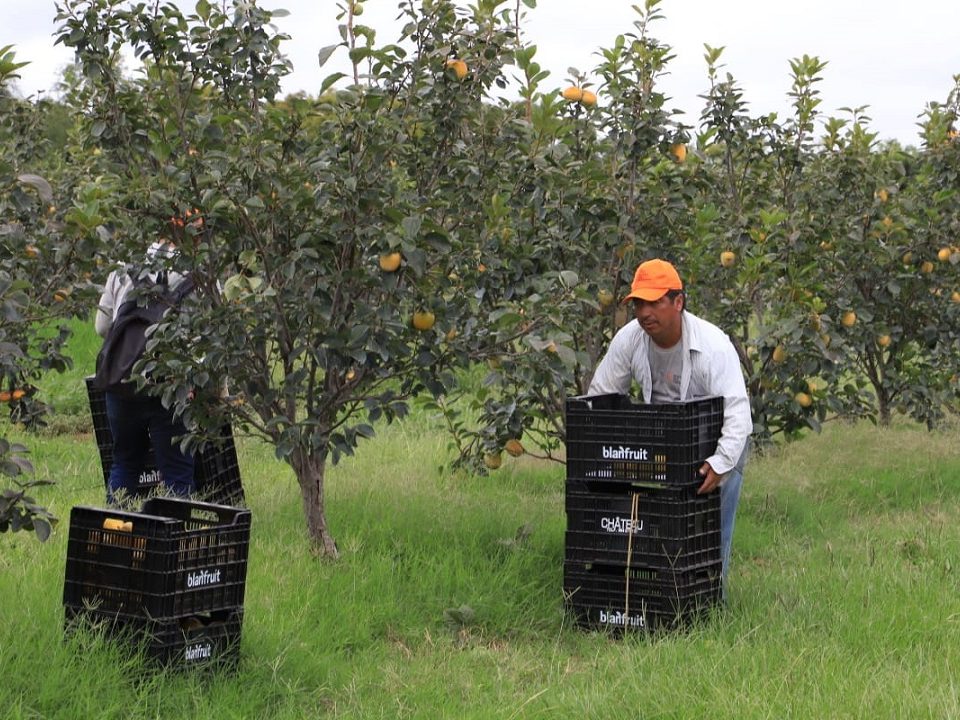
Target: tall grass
{"type": "Point", "coordinates": [843, 600]}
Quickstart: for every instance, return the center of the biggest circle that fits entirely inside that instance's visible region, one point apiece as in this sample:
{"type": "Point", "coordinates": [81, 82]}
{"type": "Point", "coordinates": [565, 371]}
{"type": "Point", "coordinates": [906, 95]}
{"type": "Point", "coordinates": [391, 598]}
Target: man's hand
{"type": "Point", "coordinates": [710, 479]}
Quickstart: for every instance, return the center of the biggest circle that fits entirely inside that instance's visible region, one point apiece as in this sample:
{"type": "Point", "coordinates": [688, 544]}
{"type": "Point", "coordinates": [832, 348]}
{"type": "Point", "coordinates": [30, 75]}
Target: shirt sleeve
{"type": "Point", "coordinates": [727, 381]}
{"type": "Point", "coordinates": [106, 308]}
{"type": "Point", "coordinates": [614, 374]}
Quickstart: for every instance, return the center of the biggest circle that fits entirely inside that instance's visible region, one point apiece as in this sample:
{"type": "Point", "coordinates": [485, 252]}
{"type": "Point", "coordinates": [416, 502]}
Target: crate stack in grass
{"type": "Point", "coordinates": [642, 549]}
{"type": "Point", "coordinates": [216, 473]}
{"type": "Point", "coordinates": [169, 579]}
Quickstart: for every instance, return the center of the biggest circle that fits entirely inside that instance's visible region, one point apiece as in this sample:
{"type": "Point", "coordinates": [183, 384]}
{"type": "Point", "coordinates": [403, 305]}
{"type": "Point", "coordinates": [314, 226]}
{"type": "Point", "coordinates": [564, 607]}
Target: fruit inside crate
{"type": "Point", "coordinates": [192, 641]}
{"type": "Point", "coordinates": [610, 437]}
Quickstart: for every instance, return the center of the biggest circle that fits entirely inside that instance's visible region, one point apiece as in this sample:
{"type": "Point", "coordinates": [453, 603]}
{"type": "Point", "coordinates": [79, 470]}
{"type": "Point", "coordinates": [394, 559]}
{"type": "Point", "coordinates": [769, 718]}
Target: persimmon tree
{"type": "Point", "coordinates": [45, 262]}
{"type": "Point", "coordinates": [300, 199]}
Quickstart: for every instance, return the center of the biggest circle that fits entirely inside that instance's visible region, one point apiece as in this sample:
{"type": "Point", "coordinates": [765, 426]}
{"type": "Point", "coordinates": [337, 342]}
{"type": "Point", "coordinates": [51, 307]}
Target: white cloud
{"type": "Point", "coordinates": [894, 57]}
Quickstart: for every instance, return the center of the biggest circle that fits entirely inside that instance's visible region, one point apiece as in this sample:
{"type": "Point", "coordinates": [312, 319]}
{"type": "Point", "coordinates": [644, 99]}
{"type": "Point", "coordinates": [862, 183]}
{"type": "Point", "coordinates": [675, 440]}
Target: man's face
{"type": "Point", "coordinates": [661, 319]}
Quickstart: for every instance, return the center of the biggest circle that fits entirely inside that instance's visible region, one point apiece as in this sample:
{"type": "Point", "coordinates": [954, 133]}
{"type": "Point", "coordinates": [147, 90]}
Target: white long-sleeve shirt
{"type": "Point", "coordinates": [118, 286]}
{"type": "Point", "coordinates": [710, 368]}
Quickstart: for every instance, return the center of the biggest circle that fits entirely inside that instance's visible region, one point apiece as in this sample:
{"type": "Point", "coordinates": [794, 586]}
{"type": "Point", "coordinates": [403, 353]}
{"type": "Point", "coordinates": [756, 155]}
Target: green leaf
{"type": "Point", "coordinates": [39, 184]}
{"type": "Point", "coordinates": [330, 80]}
{"type": "Point", "coordinates": [325, 54]}
{"type": "Point", "coordinates": [358, 55]}
{"type": "Point", "coordinates": [411, 226]}
{"type": "Point", "coordinates": [42, 528]}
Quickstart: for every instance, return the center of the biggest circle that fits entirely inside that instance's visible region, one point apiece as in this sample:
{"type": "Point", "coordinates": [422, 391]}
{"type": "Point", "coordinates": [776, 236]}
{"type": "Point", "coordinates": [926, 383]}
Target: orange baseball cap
{"type": "Point", "coordinates": [653, 279]}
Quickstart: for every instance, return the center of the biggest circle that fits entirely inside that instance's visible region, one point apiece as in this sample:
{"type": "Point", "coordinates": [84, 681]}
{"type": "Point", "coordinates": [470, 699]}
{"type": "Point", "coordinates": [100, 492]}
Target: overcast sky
{"type": "Point", "coordinates": [891, 55]}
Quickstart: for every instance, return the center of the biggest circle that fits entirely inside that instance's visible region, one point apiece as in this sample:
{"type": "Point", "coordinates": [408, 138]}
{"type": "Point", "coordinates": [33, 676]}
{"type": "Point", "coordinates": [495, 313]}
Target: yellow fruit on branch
{"type": "Point", "coordinates": [514, 448]}
{"type": "Point", "coordinates": [605, 298]}
{"type": "Point", "coordinates": [493, 460]}
{"type": "Point", "coordinates": [907, 258]}
{"type": "Point", "coordinates": [588, 99]}
{"type": "Point", "coordinates": [803, 400]}
{"type": "Point", "coordinates": [883, 341]}
{"type": "Point", "coordinates": [423, 320]}
{"type": "Point", "coordinates": [624, 250]}
{"type": "Point", "coordinates": [679, 151]}
{"type": "Point", "coordinates": [955, 297]}
{"type": "Point", "coordinates": [848, 319]}
{"type": "Point", "coordinates": [779, 354]}
{"type": "Point", "coordinates": [882, 195]}
{"type": "Point", "coordinates": [61, 295]}
{"type": "Point", "coordinates": [728, 258]}
{"type": "Point", "coordinates": [572, 94]}
{"type": "Point", "coordinates": [926, 267]}
{"type": "Point", "coordinates": [944, 254]}
{"type": "Point", "coordinates": [17, 394]}
{"type": "Point", "coordinates": [458, 66]}
{"type": "Point", "coordinates": [390, 262]}
{"type": "Point", "coordinates": [31, 251]}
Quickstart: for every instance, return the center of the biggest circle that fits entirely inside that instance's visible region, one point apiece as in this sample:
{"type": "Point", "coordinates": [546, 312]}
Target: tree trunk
{"type": "Point", "coordinates": [309, 468]}
{"type": "Point", "coordinates": [883, 406]}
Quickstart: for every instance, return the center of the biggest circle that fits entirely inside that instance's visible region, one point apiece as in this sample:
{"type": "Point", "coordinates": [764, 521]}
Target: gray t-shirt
{"type": "Point", "coordinates": [665, 367]}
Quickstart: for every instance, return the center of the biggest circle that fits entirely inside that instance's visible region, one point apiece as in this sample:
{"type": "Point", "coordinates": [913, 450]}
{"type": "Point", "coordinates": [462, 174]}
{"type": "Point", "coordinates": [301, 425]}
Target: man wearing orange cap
{"type": "Point", "coordinates": [676, 356]}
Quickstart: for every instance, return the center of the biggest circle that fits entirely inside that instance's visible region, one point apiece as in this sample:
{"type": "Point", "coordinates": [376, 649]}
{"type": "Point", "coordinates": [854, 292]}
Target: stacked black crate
{"type": "Point", "coordinates": [168, 580]}
{"type": "Point", "coordinates": [642, 548]}
{"type": "Point", "coordinates": [216, 473]}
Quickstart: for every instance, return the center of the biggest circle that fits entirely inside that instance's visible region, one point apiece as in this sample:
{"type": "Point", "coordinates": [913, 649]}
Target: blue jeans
{"type": "Point", "coordinates": [137, 423]}
{"type": "Point", "coordinates": [729, 499]}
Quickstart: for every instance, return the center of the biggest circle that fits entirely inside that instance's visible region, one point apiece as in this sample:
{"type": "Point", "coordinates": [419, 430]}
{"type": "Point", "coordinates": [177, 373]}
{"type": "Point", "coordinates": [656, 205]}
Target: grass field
{"type": "Point", "coordinates": [843, 602]}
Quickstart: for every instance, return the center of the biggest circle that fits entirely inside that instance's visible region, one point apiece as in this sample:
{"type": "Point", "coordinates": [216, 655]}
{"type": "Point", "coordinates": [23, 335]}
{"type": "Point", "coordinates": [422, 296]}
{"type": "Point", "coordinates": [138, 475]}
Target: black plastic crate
{"type": "Point", "coordinates": [205, 641]}
{"type": "Point", "coordinates": [676, 594]}
{"type": "Point", "coordinates": [667, 528]}
{"type": "Point", "coordinates": [611, 438]}
{"type": "Point", "coordinates": [216, 469]}
{"type": "Point", "coordinates": [175, 558]}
